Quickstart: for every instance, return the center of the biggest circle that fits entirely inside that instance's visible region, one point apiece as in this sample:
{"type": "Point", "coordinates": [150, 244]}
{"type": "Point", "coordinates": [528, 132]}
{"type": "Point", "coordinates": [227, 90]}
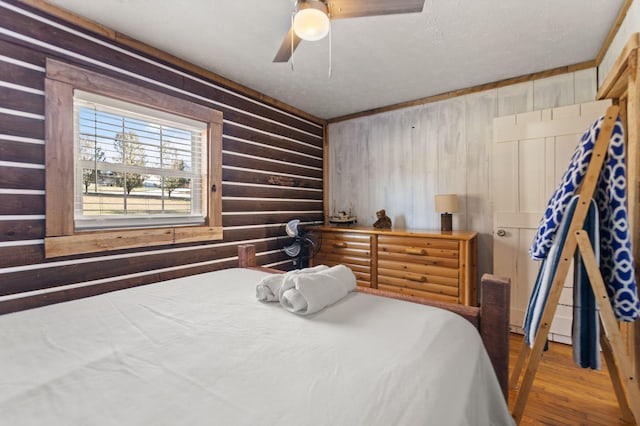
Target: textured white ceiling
{"type": "Point", "coordinates": [376, 61]}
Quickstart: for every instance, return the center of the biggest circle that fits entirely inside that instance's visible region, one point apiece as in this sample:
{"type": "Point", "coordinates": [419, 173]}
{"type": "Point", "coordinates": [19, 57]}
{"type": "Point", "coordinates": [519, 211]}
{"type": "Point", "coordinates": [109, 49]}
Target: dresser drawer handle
{"type": "Point", "coordinates": [416, 278]}
{"type": "Point", "coordinates": [417, 251]}
{"type": "Point", "coordinates": [340, 245]}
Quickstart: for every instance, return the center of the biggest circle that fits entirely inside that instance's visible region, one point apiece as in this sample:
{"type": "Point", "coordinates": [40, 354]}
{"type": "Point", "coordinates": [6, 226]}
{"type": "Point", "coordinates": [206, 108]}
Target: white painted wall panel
{"type": "Point", "coordinates": [515, 99]}
{"type": "Point", "coordinates": [425, 168]}
{"type": "Point", "coordinates": [453, 165]}
{"type": "Point", "coordinates": [585, 85]}
{"type": "Point", "coordinates": [480, 108]}
{"type": "Point", "coordinates": [353, 175]}
{"type": "Point", "coordinates": [553, 91]}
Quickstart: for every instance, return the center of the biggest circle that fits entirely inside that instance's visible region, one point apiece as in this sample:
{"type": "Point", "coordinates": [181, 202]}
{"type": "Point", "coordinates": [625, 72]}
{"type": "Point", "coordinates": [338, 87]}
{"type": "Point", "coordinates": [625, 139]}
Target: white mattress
{"type": "Point", "coordinates": [202, 351]}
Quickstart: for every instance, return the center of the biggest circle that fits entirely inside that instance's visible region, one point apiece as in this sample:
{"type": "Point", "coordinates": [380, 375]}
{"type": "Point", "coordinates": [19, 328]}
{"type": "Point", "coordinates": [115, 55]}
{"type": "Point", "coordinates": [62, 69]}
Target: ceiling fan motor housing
{"type": "Point", "coordinates": [313, 4]}
{"type": "Point", "coordinates": [311, 20]}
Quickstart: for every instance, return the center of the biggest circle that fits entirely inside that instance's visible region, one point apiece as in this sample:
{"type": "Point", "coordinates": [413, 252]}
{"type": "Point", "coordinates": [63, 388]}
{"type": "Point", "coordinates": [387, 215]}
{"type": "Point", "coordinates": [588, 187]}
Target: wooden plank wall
{"type": "Point", "coordinates": [398, 160]}
{"type": "Point", "coordinates": [272, 166]}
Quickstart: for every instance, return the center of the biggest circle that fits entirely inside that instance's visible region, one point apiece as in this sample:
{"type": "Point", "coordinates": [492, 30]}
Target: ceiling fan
{"type": "Point", "coordinates": [311, 18]}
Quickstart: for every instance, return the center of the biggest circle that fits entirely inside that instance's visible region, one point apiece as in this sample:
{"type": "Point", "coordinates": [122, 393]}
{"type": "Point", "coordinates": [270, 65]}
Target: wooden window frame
{"type": "Point", "coordinates": [62, 239]}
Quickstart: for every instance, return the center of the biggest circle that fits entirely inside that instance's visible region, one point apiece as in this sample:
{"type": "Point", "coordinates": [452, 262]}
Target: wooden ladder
{"type": "Point", "coordinates": [624, 383]}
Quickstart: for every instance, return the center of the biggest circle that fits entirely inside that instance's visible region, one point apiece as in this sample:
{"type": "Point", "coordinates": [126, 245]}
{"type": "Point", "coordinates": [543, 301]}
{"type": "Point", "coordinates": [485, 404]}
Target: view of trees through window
{"type": "Point", "coordinates": [129, 164]}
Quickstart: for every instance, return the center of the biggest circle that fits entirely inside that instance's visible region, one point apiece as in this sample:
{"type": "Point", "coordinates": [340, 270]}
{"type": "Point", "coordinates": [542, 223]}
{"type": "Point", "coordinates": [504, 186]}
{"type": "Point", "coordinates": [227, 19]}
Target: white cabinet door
{"type": "Point", "coordinates": [531, 151]}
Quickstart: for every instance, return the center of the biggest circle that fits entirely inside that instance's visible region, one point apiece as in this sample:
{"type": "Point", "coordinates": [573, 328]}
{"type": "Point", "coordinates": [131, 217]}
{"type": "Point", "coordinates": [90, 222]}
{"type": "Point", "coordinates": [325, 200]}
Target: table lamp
{"type": "Point", "coordinates": [446, 204]}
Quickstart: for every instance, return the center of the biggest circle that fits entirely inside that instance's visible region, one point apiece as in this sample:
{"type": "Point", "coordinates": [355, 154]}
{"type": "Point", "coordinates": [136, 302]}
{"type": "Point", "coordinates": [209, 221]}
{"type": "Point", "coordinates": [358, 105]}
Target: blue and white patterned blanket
{"type": "Point", "coordinates": [586, 320]}
{"type": "Point", "coordinates": [616, 258]}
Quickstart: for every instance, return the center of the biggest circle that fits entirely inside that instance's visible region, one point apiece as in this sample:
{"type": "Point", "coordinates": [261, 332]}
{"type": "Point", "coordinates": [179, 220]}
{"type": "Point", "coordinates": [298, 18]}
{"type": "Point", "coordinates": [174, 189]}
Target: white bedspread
{"type": "Point", "coordinates": [202, 351]}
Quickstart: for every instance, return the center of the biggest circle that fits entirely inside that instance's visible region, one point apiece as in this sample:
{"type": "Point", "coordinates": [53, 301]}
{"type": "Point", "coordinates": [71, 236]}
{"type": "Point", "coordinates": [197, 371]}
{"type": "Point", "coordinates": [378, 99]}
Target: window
{"type": "Point", "coordinates": [135, 167]}
{"type": "Point", "coordinates": [127, 166]}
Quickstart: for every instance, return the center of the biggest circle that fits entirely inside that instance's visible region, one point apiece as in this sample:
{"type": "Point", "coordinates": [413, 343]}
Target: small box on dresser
{"type": "Point", "coordinates": [430, 264]}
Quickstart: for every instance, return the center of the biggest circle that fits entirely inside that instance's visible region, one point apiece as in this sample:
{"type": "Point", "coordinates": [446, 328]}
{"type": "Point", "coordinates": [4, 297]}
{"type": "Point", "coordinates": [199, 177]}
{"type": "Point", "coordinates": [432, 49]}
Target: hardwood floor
{"type": "Point", "coordinates": [564, 394]}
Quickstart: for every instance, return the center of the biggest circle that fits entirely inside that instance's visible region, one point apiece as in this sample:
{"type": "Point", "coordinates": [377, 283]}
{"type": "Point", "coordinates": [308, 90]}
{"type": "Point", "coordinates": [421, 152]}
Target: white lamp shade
{"type": "Point", "coordinates": [311, 24]}
{"type": "Point", "coordinates": [446, 203]}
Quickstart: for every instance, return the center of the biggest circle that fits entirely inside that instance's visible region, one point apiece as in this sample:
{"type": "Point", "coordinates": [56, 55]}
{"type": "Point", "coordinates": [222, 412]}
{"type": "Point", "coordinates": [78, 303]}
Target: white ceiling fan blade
{"type": "Point", "coordinates": [357, 8]}
{"type": "Point", "coordinates": [284, 53]}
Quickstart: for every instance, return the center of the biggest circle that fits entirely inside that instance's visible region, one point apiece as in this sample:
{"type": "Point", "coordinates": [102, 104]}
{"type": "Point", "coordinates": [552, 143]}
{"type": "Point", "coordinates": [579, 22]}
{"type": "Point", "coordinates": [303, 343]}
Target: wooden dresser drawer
{"type": "Point", "coordinates": [418, 293]}
{"type": "Point", "coordinates": [426, 251]}
{"type": "Point", "coordinates": [353, 250]}
{"type": "Point", "coordinates": [423, 267]}
{"type": "Point", "coordinates": [352, 245]}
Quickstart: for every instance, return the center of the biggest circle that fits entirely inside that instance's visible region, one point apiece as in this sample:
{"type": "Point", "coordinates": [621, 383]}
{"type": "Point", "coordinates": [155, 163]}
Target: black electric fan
{"type": "Point", "coordinates": [300, 244]}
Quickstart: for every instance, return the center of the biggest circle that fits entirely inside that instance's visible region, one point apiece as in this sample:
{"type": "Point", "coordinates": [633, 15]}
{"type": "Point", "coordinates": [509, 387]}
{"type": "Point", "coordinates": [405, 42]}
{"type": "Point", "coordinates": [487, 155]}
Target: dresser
{"type": "Point", "coordinates": [429, 264]}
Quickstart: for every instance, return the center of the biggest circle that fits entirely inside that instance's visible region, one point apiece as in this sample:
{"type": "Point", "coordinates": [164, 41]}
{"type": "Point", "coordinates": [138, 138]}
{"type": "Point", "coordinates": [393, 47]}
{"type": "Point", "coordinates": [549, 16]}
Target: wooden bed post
{"type": "Point", "coordinates": [495, 297]}
{"type": "Point", "coordinates": [246, 255]}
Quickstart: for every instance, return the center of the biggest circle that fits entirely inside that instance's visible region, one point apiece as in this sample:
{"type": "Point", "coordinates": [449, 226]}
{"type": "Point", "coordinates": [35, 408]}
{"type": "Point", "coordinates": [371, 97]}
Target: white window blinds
{"type": "Point", "coordinates": [136, 166]}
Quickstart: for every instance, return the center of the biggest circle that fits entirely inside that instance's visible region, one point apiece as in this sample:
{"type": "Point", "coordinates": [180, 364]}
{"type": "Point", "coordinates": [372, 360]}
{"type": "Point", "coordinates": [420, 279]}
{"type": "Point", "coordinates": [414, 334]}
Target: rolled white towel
{"type": "Point", "coordinates": [312, 292]}
{"type": "Point", "coordinates": [271, 287]}
{"type": "Point", "coordinates": [268, 288]}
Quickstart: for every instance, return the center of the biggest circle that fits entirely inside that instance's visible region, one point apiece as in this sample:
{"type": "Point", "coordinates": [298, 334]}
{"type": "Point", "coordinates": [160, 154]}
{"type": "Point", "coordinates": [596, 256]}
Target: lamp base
{"type": "Point", "coordinates": [446, 222]}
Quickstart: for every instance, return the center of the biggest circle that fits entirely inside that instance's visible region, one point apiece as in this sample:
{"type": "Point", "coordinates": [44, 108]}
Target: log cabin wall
{"type": "Point", "coordinates": [398, 160]}
{"type": "Point", "coordinates": [272, 166]}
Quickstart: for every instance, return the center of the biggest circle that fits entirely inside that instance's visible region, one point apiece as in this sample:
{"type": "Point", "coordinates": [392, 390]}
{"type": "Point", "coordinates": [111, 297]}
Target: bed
{"type": "Point", "coordinates": [202, 350]}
